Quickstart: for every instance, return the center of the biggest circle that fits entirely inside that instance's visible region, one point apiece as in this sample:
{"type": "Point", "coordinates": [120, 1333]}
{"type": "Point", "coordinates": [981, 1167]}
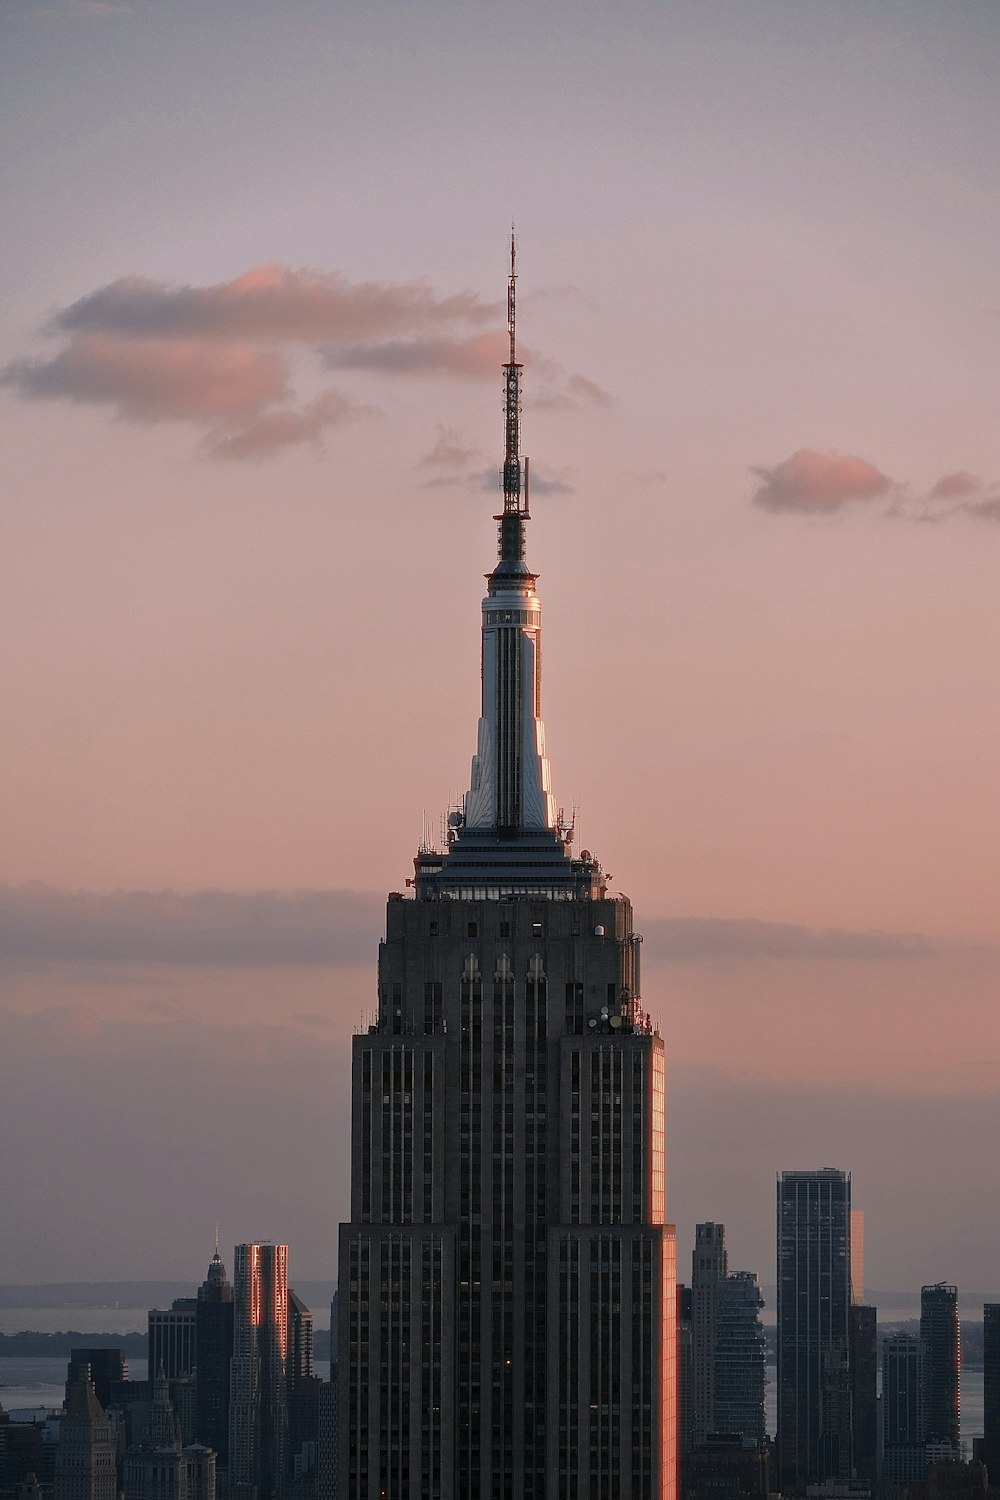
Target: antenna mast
{"type": "Point", "coordinates": [515, 497]}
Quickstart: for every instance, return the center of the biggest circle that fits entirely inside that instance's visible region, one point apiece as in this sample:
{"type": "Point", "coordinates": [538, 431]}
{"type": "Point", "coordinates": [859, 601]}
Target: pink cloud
{"type": "Point", "coordinates": [224, 354]}
{"type": "Point", "coordinates": [150, 380]}
{"type": "Point", "coordinates": [272, 303]}
{"type": "Point", "coordinates": [272, 431]}
{"type": "Point", "coordinates": [955, 486]}
{"type": "Point", "coordinates": [819, 481]}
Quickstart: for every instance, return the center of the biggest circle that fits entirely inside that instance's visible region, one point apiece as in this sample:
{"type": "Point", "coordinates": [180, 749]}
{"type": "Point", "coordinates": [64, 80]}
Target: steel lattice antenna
{"type": "Point", "coordinates": [515, 492]}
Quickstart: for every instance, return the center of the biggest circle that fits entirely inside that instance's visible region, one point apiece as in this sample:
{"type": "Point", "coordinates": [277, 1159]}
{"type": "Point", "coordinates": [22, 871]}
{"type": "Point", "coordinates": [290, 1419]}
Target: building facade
{"type": "Point", "coordinates": [814, 1298]}
{"type": "Point", "coordinates": [864, 1388]}
{"type": "Point", "coordinates": [160, 1467]}
{"type": "Point", "coordinates": [708, 1266]}
{"type": "Point", "coordinates": [991, 1390]}
{"type": "Point", "coordinates": [904, 1434]}
{"type": "Point", "coordinates": [507, 1280]}
{"type": "Point", "coordinates": [173, 1338]}
{"type": "Point", "coordinates": [213, 1356]}
{"type": "Point", "coordinates": [739, 1358]}
{"type": "Point", "coordinates": [258, 1409]}
{"type": "Point", "coordinates": [939, 1333]}
{"type": "Point", "coordinates": [85, 1457]}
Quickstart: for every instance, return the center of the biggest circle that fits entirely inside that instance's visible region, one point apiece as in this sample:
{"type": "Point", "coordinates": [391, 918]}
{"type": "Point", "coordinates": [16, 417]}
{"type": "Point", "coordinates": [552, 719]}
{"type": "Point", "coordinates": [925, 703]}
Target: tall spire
{"type": "Point", "coordinates": [510, 790]}
{"type": "Point", "coordinates": [508, 838]}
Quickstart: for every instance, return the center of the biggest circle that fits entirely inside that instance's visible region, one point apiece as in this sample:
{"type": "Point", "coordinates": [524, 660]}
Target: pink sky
{"type": "Point", "coordinates": [251, 392]}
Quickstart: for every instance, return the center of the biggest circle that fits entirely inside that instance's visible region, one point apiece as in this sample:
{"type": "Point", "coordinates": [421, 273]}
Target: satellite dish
{"type": "Point", "coordinates": [591, 1022]}
{"type": "Point", "coordinates": [616, 1021]}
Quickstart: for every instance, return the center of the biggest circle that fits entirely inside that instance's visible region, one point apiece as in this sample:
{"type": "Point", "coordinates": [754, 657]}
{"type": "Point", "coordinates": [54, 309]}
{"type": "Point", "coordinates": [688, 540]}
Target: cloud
{"type": "Point", "coordinates": [574, 392]}
{"type": "Point", "coordinates": [273, 431]}
{"type": "Point", "coordinates": [985, 510]}
{"type": "Point", "coordinates": [149, 380]}
{"type": "Point", "coordinates": [272, 303]}
{"type": "Point", "coordinates": [955, 486]}
{"type": "Point", "coordinates": [680, 939]}
{"type": "Point", "coordinates": [477, 355]}
{"type": "Point", "coordinates": [43, 923]}
{"type": "Point", "coordinates": [486, 481]}
{"type": "Point", "coordinates": [450, 450]}
{"type": "Point", "coordinates": [818, 482]}
{"type": "Point", "coordinates": [228, 355]}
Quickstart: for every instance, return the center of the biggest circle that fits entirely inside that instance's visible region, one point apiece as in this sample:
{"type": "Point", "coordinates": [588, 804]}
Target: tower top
{"type": "Point", "coordinates": [509, 838]}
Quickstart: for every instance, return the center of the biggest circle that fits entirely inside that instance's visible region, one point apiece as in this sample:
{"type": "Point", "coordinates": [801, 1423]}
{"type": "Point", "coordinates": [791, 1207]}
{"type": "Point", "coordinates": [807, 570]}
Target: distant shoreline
{"type": "Point", "coordinates": [31, 1345]}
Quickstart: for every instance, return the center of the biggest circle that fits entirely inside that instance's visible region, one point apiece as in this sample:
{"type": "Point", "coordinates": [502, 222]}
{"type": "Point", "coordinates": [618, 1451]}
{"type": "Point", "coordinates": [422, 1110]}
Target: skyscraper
{"type": "Point", "coordinates": [739, 1360]}
{"type": "Point", "coordinates": [864, 1389]}
{"type": "Point", "coordinates": [708, 1266]}
{"type": "Point", "coordinates": [507, 1308]}
{"type": "Point", "coordinates": [814, 1294]}
{"type": "Point", "coordinates": [939, 1333]}
{"type": "Point", "coordinates": [258, 1413]}
{"type": "Point", "coordinates": [173, 1338]}
{"type": "Point", "coordinates": [991, 1390]}
{"type": "Point", "coordinates": [214, 1352]}
{"type": "Point", "coordinates": [904, 1459]}
{"type": "Point", "coordinates": [104, 1368]}
{"type": "Point", "coordinates": [85, 1456]}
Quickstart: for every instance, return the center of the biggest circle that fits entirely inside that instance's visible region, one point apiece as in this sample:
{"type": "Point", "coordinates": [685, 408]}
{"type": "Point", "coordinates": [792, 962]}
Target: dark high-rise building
{"type": "Point", "coordinates": [173, 1338]}
{"type": "Point", "coordinates": [85, 1456]}
{"type": "Point", "coordinates": [939, 1333]}
{"type": "Point", "coordinates": [708, 1267]}
{"type": "Point", "coordinates": [904, 1458]}
{"type": "Point", "coordinates": [507, 1292]}
{"type": "Point", "coordinates": [814, 1295]}
{"type": "Point", "coordinates": [739, 1358]}
{"type": "Point", "coordinates": [991, 1390]}
{"type": "Point", "coordinates": [258, 1410]}
{"type": "Point", "coordinates": [213, 1354]}
{"type": "Point", "coordinates": [102, 1367]}
{"type": "Point", "coordinates": [864, 1388]}
{"type": "Point", "coordinates": [685, 1371]}
{"type": "Point", "coordinates": [303, 1391]}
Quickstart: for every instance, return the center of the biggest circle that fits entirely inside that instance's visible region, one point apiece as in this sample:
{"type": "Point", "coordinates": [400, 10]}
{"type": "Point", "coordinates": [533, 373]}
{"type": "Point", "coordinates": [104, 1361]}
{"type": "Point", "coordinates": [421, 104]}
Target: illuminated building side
{"type": "Point", "coordinates": [258, 1413]}
{"type": "Point", "coordinates": [507, 1281]}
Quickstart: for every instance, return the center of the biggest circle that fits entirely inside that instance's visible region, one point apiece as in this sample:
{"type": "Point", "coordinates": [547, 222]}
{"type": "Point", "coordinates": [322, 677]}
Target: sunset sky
{"type": "Point", "coordinates": [250, 411]}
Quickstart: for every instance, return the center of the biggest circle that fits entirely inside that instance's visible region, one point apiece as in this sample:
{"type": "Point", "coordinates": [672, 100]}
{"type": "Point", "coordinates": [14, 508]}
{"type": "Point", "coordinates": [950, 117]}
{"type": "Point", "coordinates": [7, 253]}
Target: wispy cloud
{"type": "Point", "coordinates": [676, 939]}
{"type": "Point", "coordinates": [151, 380]}
{"type": "Point", "coordinates": [478, 355]}
{"type": "Point", "coordinates": [231, 356]}
{"type": "Point", "coordinates": [485, 481]}
{"type": "Point", "coordinates": [271, 431]}
{"type": "Point", "coordinates": [266, 927]}
{"type": "Point", "coordinates": [40, 922]}
{"type": "Point", "coordinates": [450, 450]}
{"type": "Point", "coordinates": [274, 303]}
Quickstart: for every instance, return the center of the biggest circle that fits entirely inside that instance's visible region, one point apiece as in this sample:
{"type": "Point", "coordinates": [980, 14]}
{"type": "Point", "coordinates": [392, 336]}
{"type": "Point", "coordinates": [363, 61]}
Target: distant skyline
{"type": "Point", "coordinates": [250, 407]}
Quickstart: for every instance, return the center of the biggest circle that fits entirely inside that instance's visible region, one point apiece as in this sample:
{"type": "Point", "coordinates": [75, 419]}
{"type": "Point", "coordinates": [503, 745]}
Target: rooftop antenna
{"type": "Point", "coordinates": [514, 475]}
